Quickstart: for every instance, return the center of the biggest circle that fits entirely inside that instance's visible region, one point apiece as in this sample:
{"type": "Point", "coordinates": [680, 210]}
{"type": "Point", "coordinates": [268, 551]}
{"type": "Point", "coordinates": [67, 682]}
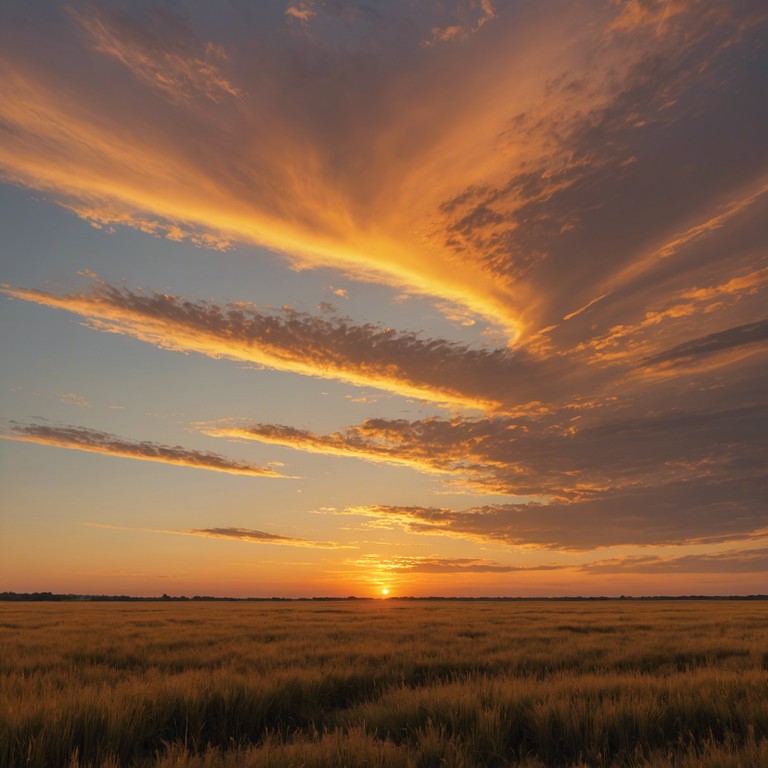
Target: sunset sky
{"type": "Point", "coordinates": [325, 297]}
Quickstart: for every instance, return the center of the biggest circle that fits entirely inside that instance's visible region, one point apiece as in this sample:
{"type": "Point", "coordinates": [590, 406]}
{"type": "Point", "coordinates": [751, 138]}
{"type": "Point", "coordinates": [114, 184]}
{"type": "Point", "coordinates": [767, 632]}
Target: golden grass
{"type": "Point", "coordinates": [384, 683]}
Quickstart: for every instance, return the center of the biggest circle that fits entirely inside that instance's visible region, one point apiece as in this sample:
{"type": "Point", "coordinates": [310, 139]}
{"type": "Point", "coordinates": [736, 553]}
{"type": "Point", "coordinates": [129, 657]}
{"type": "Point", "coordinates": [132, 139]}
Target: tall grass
{"type": "Point", "coordinates": [384, 683]}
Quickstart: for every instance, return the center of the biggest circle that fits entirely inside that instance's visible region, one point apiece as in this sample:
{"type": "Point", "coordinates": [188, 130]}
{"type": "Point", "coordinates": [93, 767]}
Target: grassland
{"type": "Point", "coordinates": [384, 683]}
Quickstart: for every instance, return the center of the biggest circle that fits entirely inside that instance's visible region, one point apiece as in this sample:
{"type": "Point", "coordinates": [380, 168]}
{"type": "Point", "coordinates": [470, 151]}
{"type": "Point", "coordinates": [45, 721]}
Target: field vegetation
{"type": "Point", "coordinates": [384, 683]}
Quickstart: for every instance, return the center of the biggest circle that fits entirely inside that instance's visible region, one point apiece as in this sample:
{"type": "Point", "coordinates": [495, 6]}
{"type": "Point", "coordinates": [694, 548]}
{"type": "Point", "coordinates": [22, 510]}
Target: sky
{"type": "Point", "coordinates": [332, 297]}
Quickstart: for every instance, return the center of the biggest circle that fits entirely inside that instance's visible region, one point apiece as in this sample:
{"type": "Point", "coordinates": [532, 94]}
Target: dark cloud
{"type": "Point", "coordinates": [694, 512]}
{"type": "Point", "coordinates": [237, 534]}
{"type": "Point", "coordinates": [742, 335]}
{"type": "Point", "coordinates": [536, 457]}
{"type": "Point", "coordinates": [93, 441]}
{"type": "Point", "coordinates": [732, 561]}
{"type": "Point", "coordinates": [258, 537]}
{"type": "Point", "coordinates": [246, 534]}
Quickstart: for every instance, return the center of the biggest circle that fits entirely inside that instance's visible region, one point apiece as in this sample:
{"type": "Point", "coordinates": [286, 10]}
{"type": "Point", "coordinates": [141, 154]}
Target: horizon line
{"type": "Point", "coordinates": [10, 596]}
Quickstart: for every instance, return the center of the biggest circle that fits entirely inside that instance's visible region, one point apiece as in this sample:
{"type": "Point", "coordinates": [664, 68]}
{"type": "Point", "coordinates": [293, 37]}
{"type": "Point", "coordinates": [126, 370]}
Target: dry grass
{"type": "Point", "coordinates": [384, 683]}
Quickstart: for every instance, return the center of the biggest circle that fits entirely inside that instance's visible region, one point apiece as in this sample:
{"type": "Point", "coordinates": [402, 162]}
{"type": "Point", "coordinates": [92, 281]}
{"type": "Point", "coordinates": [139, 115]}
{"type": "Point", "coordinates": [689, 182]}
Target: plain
{"type": "Point", "coordinates": [384, 683]}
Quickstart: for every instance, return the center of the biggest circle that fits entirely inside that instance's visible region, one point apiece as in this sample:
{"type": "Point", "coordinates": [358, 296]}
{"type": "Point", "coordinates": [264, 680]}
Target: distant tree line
{"type": "Point", "coordinates": [51, 597]}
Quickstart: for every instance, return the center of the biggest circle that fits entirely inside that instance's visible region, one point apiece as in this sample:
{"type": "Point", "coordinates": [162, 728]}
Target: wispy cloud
{"type": "Point", "coordinates": [302, 10]}
{"type": "Point", "coordinates": [367, 441]}
{"type": "Point", "coordinates": [733, 338]}
{"type": "Point", "coordinates": [576, 454]}
{"type": "Point", "coordinates": [720, 217]}
{"type": "Point", "coordinates": [327, 346]}
{"type": "Point", "coordinates": [163, 53]}
{"type": "Point", "coordinates": [469, 17]}
{"type": "Point", "coordinates": [731, 561]}
{"type": "Point", "coordinates": [101, 214]}
{"type": "Point", "coordinates": [94, 441]}
{"type": "Point", "coordinates": [248, 535]}
{"type": "Point", "coordinates": [662, 325]}
{"type": "Point", "coordinates": [454, 565]}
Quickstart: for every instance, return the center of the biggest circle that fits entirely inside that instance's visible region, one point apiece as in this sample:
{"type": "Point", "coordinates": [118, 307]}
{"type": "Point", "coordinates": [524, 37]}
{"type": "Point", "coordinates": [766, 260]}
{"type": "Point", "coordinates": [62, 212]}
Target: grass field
{"type": "Point", "coordinates": [384, 683]}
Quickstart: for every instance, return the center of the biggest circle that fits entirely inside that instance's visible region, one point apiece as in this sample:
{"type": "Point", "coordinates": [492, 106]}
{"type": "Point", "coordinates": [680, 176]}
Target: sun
{"type": "Point", "coordinates": [385, 591]}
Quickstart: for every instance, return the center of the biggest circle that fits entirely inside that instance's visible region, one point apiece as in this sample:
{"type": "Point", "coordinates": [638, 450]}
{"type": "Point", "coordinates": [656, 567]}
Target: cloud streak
{"type": "Point", "coordinates": [248, 535]}
{"type": "Point", "coordinates": [94, 441]}
{"type": "Point", "coordinates": [161, 54]}
{"type": "Point", "coordinates": [693, 512]}
{"type": "Point", "coordinates": [259, 537]}
{"type": "Point", "coordinates": [731, 561]}
{"type": "Point", "coordinates": [451, 565]}
{"type": "Point", "coordinates": [733, 338]}
{"type": "Point", "coordinates": [536, 457]}
{"type": "Point", "coordinates": [330, 347]}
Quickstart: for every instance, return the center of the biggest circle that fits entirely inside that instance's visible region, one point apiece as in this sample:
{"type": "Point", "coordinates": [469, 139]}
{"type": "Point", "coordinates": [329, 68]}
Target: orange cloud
{"type": "Point", "coordinates": [461, 31]}
{"type": "Point", "coordinates": [285, 193]}
{"type": "Point", "coordinates": [653, 337]}
{"type": "Point", "coordinates": [714, 221]}
{"type": "Point", "coordinates": [658, 14]}
{"type": "Point", "coordinates": [93, 441]}
{"type": "Point", "coordinates": [497, 381]}
{"type": "Point", "coordinates": [364, 442]}
{"type": "Point", "coordinates": [109, 216]}
{"type": "Point", "coordinates": [302, 11]}
{"type": "Point", "coordinates": [587, 306]}
{"type": "Point", "coordinates": [457, 565]}
{"type": "Point", "coordinates": [325, 346]}
{"type": "Point", "coordinates": [162, 55]}
{"type": "Point", "coordinates": [729, 561]}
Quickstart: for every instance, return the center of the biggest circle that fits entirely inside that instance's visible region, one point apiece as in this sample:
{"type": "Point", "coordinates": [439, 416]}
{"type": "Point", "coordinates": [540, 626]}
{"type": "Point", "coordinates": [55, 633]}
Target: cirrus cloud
{"type": "Point", "coordinates": [250, 139]}
{"type": "Point", "coordinates": [95, 441]}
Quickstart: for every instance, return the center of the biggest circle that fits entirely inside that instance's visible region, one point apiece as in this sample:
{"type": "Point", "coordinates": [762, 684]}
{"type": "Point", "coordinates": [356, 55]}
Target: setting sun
{"type": "Point", "coordinates": [385, 591]}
